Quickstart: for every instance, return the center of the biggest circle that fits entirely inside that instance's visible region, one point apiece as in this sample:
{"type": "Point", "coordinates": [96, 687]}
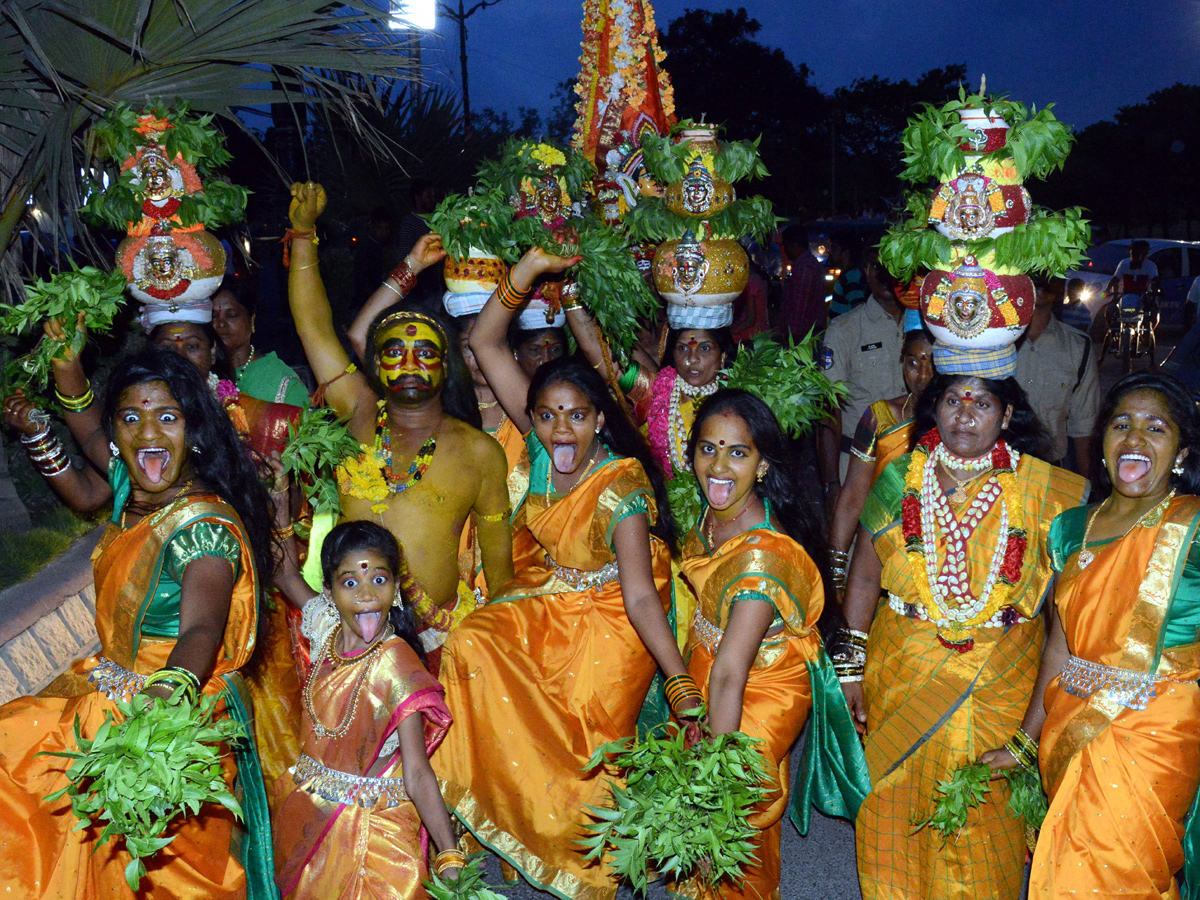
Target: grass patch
{"type": "Point", "coordinates": [26, 554]}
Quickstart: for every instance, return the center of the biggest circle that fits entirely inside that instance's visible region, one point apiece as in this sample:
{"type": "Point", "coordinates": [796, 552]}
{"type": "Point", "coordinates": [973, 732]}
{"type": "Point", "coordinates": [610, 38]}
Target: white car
{"type": "Point", "coordinates": [1178, 265]}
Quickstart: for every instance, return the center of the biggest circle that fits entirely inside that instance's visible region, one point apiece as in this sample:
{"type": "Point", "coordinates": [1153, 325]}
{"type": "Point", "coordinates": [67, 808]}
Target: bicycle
{"type": "Point", "coordinates": [1131, 327]}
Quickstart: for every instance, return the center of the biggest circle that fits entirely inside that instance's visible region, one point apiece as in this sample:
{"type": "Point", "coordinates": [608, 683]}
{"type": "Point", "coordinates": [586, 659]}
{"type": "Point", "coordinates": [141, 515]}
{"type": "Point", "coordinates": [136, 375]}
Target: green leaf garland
{"type": "Point", "coordinates": [160, 759]}
{"type": "Point", "coordinates": [98, 295]}
{"type": "Point", "coordinates": [470, 884]}
{"type": "Point", "coordinates": [684, 498]}
{"type": "Point", "coordinates": [316, 445]}
{"type": "Point", "coordinates": [970, 783]}
{"type": "Point", "coordinates": [679, 808]}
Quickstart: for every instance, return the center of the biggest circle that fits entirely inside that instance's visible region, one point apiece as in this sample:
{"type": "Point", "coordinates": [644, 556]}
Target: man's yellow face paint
{"type": "Point", "coordinates": [411, 359]}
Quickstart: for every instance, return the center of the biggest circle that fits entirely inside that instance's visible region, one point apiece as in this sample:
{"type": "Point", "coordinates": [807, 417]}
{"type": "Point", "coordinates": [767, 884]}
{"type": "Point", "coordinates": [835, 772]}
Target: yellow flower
{"type": "Point", "coordinates": [363, 479]}
{"type": "Point", "coordinates": [548, 156]}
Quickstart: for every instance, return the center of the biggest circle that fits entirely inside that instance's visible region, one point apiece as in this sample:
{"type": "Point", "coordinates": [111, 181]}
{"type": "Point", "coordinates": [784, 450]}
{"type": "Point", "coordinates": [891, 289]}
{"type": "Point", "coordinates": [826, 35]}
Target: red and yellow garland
{"type": "Point", "coordinates": [953, 634]}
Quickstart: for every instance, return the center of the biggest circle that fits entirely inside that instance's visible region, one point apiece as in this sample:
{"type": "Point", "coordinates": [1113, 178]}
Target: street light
{"type": "Point", "coordinates": [419, 14]}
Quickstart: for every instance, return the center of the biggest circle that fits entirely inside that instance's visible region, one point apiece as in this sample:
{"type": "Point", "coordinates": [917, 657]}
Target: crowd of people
{"type": "Point", "coordinates": [507, 578]}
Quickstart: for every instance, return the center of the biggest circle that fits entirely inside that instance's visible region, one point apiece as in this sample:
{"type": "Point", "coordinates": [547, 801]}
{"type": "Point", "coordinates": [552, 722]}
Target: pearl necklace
{"type": "Point", "coordinates": [950, 462]}
{"type": "Point", "coordinates": [336, 660]}
{"type": "Point", "coordinates": [678, 431]}
{"type": "Point", "coordinates": [950, 580]}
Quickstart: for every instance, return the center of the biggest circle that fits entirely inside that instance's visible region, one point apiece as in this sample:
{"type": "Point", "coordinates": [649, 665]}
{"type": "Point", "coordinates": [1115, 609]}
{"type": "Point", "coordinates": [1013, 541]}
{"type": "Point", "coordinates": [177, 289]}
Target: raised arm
{"type": "Point", "coordinates": [489, 337]}
{"type": "Point", "coordinates": [83, 490]}
{"type": "Point", "coordinates": [70, 381]}
{"type": "Point", "coordinates": [311, 312]}
{"type": "Point", "coordinates": [425, 253]}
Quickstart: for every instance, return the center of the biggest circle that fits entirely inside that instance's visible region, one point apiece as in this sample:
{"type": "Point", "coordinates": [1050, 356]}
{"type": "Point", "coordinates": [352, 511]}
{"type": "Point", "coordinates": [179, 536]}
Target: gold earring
{"type": "Point", "coordinates": [760, 475]}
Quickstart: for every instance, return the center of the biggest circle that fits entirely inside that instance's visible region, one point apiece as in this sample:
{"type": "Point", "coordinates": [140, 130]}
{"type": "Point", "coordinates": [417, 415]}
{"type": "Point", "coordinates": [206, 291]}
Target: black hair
{"type": "Point", "coordinates": [243, 288]}
{"type": "Point", "coordinates": [219, 459]}
{"type": "Point", "coordinates": [911, 337]}
{"type": "Point", "coordinates": [1025, 431]}
{"type": "Point", "coordinates": [355, 537]}
{"type": "Point", "coordinates": [458, 389]}
{"type": "Point", "coordinates": [780, 486]}
{"type": "Point", "coordinates": [517, 335]}
{"type": "Point", "coordinates": [221, 366]}
{"type": "Point", "coordinates": [723, 337]}
{"type": "Point", "coordinates": [619, 434]}
{"type": "Point", "coordinates": [1183, 413]}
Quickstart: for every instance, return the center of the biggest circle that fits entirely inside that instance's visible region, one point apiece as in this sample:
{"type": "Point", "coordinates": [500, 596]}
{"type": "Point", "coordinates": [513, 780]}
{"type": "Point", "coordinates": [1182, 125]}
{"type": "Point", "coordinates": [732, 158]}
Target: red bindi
{"type": "Point", "coordinates": [721, 443]}
{"type": "Point", "coordinates": [411, 330]}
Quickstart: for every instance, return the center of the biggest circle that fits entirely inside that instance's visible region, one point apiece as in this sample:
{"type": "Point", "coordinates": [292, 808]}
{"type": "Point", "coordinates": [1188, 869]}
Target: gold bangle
{"type": "Point", "coordinates": [495, 517]}
{"type": "Point", "coordinates": [284, 533]}
{"type": "Point", "coordinates": [449, 859]}
{"type": "Point", "coordinates": [309, 266]}
{"type": "Point", "coordinates": [76, 402]}
{"type": "Point", "coordinates": [509, 294]}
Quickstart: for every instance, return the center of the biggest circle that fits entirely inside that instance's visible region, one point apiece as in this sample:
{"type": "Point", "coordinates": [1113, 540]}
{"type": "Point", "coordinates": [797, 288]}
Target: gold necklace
{"type": "Point", "coordinates": [712, 528]}
{"type": "Point", "coordinates": [1086, 556]}
{"type": "Point", "coordinates": [958, 495]}
{"type": "Point", "coordinates": [368, 656]}
{"type": "Point", "coordinates": [162, 510]}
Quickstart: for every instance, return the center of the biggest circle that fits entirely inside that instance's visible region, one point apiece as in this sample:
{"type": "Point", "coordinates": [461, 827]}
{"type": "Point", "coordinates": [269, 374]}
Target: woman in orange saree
{"type": "Point", "coordinates": [1118, 751]}
{"type": "Point", "coordinates": [560, 659]}
{"type": "Point", "coordinates": [959, 530]}
{"type": "Point", "coordinates": [753, 647]}
{"type": "Point", "coordinates": [884, 432]}
{"type": "Point", "coordinates": [176, 588]}
{"type": "Point", "coordinates": [353, 806]}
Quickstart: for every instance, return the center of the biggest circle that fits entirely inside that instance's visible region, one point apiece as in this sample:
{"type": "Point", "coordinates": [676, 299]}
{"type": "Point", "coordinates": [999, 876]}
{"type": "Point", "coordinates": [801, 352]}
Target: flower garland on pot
{"type": "Point", "coordinates": [924, 507]}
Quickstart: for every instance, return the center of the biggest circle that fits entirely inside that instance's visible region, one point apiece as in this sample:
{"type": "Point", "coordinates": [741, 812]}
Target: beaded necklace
{"type": "Point", "coordinates": [336, 660]}
{"type": "Point", "coordinates": [675, 424]}
{"type": "Point", "coordinates": [944, 585]}
{"type": "Point", "coordinates": [383, 451]}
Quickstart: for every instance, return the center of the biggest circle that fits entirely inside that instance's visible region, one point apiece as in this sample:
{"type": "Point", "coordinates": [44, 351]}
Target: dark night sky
{"type": "Point", "coordinates": [1090, 58]}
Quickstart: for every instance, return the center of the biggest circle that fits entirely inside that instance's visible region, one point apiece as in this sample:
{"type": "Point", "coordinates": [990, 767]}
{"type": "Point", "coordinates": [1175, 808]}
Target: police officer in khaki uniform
{"type": "Point", "coordinates": [862, 348]}
{"type": "Point", "coordinates": [1057, 369]}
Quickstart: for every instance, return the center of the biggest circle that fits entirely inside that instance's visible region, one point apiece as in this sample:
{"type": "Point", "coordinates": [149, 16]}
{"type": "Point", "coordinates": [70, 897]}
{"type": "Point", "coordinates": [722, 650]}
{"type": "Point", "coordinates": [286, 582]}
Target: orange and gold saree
{"type": "Point", "coordinates": [763, 565]}
{"type": "Point", "coordinates": [338, 834]}
{"type": "Point", "coordinates": [932, 708]}
{"type": "Point", "coordinates": [42, 856]}
{"type": "Point", "coordinates": [543, 674]}
{"type": "Point", "coordinates": [1120, 778]}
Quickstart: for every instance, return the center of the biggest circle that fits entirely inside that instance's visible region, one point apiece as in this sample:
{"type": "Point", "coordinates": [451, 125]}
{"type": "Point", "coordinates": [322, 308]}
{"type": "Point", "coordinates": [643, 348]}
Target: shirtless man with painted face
{"type": "Point", "coordinates": [423, 469]}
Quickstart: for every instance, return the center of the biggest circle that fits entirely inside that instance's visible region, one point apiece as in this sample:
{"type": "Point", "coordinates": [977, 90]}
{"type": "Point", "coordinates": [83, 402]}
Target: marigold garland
{"type": "Point", "coordinates": [953, 634]}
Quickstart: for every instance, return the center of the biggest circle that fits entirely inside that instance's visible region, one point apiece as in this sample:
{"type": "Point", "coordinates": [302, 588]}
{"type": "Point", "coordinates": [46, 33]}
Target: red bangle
{"type": "Point", "coordinates": [404, 277]}
{"type": "Point", "coordinates": [510, 295]}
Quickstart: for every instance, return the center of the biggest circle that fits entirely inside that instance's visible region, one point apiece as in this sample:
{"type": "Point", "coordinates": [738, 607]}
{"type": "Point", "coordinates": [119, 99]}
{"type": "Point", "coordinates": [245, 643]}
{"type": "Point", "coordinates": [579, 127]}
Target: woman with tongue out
{"type": "Point", "coordinates": [562, 657]}
{"type": "Point", "coordinates": [753, 646]}
{"type": "Point", "coordinates": [1118, 751]}
{"type": "Point", "coordinates": [941, 673]}
{"type": "Point", "coordinates": [178, 574]}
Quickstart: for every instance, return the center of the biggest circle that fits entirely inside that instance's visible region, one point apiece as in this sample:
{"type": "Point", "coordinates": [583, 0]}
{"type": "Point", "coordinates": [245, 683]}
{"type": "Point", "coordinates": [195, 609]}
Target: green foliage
{"type": "Point", "coordinates": [964, 790]}
{"type": "Point", "coordinates": [98, 295]}
{"type": "Point", "coordinates": [1049, 243]}
{"type": "Point", "coordinates": [738, 160]}
{"type": "Point", "coordinates": [1026, 798]}
{"type": "Point", "coordinates": [470, 884]}
{"type": "Point", "coordinates": [516, 163]}
{"type": "Point", "coordinates": [483, 220]}
{"type": "Point", "coordinates": [194, 138]}
{"type": "Point", "coordinates": [316, 445]}
{"type": "Point", "coordinates": [681, 810]}
{"type": "Point", "coordinates": [683, 495]}
{"type": "Point", "coordinates": [28, 552]}
{"type": "Point", "coordinates": [1037, 142]}
{"type": "Point", "coordinates": [160, 760]}
{"type": "Point", "coordinates": [652, 221]}
{"type": "Point", "coordinates": [787, 380]}
{"type": "Point", "coordinates": [665, 160]}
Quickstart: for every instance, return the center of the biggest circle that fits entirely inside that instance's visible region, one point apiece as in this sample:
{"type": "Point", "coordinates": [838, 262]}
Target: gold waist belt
{"type": "Point", "coordinates": [342, 787]}
{"type": "Point", "coordinates": [1133, 690]}
{"type": "Point", "coordinates": [583, 579]}
{"type": "Point", "coordinates": [707, 633]}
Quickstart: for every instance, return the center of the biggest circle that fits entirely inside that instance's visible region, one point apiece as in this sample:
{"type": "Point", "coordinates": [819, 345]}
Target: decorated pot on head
{"type": "Point", "coordinates": [176, 269]}
{"type": "Point", "coordinates": [700, 192]}
{"type": "Point", "coordinates": [160, 183]}
{"type": "Point", "coordinates": [693, 274]}
{"type": "Point", "coordinates": [470, 281]}
{"type": "Point", "coordinates": [976, 317]}
{"type": "Point", "coordinates": [974, 206]}
{"type": "Point", "coordinates": [544, 309]}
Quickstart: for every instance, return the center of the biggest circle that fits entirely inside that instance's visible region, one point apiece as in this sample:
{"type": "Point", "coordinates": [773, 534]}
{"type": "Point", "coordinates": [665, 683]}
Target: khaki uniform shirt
{"type": "Point", "coordinates": [863, 347]}
{"type": "Point", "coordinates": [1063, 387]}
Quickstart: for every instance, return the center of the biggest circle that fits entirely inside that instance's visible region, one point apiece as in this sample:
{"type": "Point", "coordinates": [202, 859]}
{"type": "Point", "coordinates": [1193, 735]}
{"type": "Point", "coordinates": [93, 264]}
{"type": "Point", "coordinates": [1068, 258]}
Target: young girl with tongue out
{"type": "Point", "coordinates": [357, 805]}
{"type": "Point", "coordinates": [561, 658]}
